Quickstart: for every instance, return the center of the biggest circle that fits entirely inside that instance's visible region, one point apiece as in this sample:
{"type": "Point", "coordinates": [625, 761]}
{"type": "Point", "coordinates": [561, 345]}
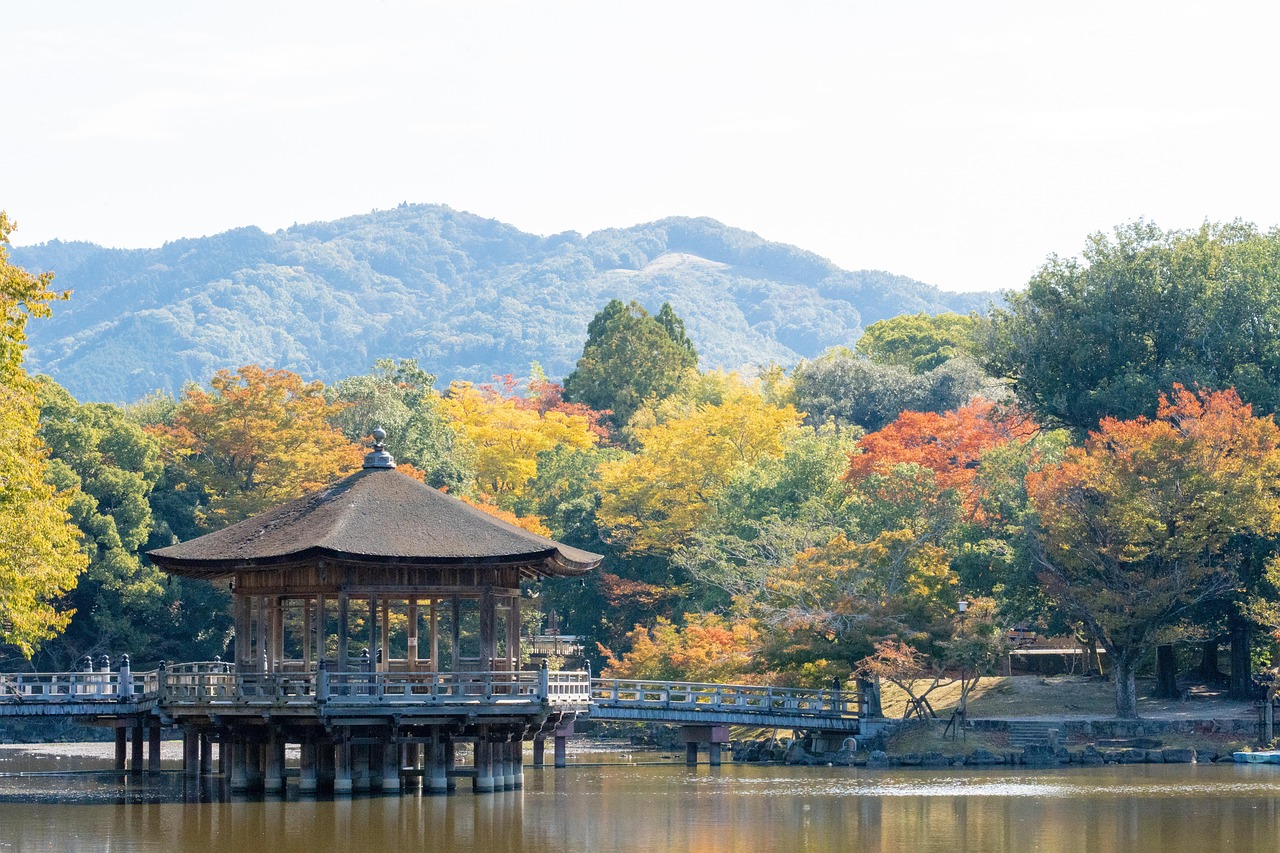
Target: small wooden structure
{"type": "Point", "coordinates": [372, 618]}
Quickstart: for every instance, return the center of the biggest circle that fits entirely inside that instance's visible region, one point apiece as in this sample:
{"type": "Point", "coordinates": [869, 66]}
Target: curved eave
{"type": "Point", "coordinates": [548, 564]}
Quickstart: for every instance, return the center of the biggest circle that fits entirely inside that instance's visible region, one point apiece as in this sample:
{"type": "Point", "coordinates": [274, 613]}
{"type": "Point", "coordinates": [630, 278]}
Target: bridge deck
{"type": "Point", "coordinates": [215, 688]}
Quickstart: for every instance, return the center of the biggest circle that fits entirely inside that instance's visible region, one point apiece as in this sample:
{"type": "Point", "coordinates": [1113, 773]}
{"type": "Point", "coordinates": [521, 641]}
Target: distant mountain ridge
{"type": "Point", "coordinates": [468, 297]}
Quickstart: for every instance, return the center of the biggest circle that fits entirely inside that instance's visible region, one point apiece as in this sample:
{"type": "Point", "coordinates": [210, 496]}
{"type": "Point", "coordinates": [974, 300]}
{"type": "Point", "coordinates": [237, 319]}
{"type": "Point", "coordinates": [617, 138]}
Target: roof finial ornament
{"type": "Point", "coordinates": [379, 457]}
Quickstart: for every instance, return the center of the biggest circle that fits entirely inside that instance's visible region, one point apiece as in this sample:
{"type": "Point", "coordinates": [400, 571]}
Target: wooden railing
{"type": "Point", "coordinates": [216, 682]}
{"type": "Point", "coordinates": [676, 695]}
{"type": "Point", "coordinates": [21, 687]}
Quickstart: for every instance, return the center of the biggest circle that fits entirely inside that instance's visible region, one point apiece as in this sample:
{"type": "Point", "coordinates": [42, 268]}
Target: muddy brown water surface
{"type": "Point", "coordinates": [66, 797]}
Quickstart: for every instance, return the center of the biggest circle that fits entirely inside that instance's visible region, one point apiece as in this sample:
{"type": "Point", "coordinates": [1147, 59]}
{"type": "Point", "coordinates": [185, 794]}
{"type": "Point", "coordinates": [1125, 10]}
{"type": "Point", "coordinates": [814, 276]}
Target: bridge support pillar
{"type": "Point", "coordinates": [206, 754]}
{"type": "Point", "coordinates": [360, 767]}
{"type": "Point", "coordinates": [122, 745]}
{"type": "Point", "coordinates": [539, 747]}
{"type": "Point", "coordinates": [190, 751]}
{"type": "Point", "coordinates": [561, 744]}
{"type": "Point", "coordinates": [342, 783]}
{"type": "Point", "coordinates": [390, 765]}
{"type": "Point", "coordinates": [307, 767]}
{"type": "Point", "coordinates": [714, 736]}
{"type": "Point", "coordinates": [508, 765]}
{"type": "Point", "coordinates": [135, 759]}
{"type": "Point", "coordinates": [273, 773]}
{"type": "Point", "coordinates": [437, 781]}
{"type": "Point", "coordinates": [153, 747]}
{"type": "Point", "coordinates": [517, 763]}
{"type": "Point", "coordinates": [483, 783]}
{"type": "Point", "coordinates": [239, 762]}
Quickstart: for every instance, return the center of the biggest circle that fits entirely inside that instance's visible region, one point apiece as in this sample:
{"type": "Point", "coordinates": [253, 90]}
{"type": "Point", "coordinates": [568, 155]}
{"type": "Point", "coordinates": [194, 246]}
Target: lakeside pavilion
{"type": "Point", "coordinates": [372, 617]}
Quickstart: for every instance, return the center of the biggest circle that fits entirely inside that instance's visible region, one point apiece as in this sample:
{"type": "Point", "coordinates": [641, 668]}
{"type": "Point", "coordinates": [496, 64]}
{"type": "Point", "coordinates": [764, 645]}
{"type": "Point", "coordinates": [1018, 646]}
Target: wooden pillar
{"type": "Point", "coordinates": [561, 751]}
{"type": "Point", "coordinates": [321, 625]}
{"type": "Point", "coordinates": [326, 760]}
{"type": "Point", "coordinates": [488, 618]}
{"type": "Point", "coordinates": [244, 639]}
{"type": "Point", "coordinates": [539, 747]}
{"type": "Point", "coordinates": [412, 636]}
{"type": "Point", "coordinates": [276, 652]}
{"type": "Point", "coordinates": [225, 750]}
{"type": "Point", "coordinates": [122, 745]}
{"type": "Point", "coordinates": [307, 646]}
{"type": "Point", "coordinates": [517, 763]}
{"type": "Point", "coordinates": [450, 764]}
{"type": "Point", "coordinates": [384, 644]}
{"type": "Point", "coordinates": [390, 765]}
{"type": "Point", "coordinates": [239, 762]}
{"type": "Point", "coordinates": [190, 751]}
{"type": "Point", "coordinates": [713, 754]}
{"type": "Point", "coordinates": [373, 644]}
{"type": "Point", "coordinates": [344, 614]}
{"type": "Point", "coordinates": [374, 759]}
{"type": "Point", "coordinates": [342, 782]}
{"type": "Point", "coordinates": [273, 771]}
{"type": "Point", "coordinates": [437, 778]}
{"type": "Point", "coordinates": [509, 765]}
{"type": "Point", "coordinates": [135, 760]}
{"type": "Point", "coordinates": [307, 782]}
{"type": "Point", "coordinates": [359, 767]}
{"type": "Point", "coordinates": [153, 747]}
{"type": "Point", "coordinates": [691, 753]}
{"type": "Point", "coordinates": [483, 782]}
{"type": "Point", "coordinates": [206, 754]}
{"type": "Point", "coordinates": [253, 764]}
{"type": "Point", "coordinates": [262, 617]}
{"type": "Point", "coordinates": [513, 632]}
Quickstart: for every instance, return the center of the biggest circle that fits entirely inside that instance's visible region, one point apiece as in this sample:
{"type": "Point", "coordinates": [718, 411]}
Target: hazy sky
{"type": "Point", "coordinates": [955, 142]}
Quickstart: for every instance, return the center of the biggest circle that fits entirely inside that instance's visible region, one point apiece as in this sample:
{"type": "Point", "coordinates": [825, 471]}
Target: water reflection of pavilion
{"type": "Point", "coordinates": [377, 624]}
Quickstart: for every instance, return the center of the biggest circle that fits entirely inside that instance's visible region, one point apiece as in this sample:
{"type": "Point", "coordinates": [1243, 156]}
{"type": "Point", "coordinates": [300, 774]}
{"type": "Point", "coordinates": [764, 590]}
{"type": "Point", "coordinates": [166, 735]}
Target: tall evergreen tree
{"type": "Point", "coordinates": [630, 357]}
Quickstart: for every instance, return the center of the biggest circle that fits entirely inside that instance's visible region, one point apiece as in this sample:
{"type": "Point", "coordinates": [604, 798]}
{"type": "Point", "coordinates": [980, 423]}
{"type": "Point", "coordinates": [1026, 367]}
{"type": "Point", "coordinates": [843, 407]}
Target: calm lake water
{"type": "Point", "coordinates": [64, 802]}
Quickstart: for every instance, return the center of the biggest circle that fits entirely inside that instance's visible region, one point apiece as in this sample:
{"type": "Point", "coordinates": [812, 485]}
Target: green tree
{"type": "Point", "coordinates": [630, 357]}
{"type": "Point", "coordinates": [1141, 310]}
{"type": "Point", "coordinates": [918, 342]}
{"type": "Point", "coordinates": [39, 554]}
{"type": "Point", "coordinates": [110, 465]}
{"type": "Point", "coordinates": [841, 386]}
{"type": "Point", "coordinates": [400, 397]}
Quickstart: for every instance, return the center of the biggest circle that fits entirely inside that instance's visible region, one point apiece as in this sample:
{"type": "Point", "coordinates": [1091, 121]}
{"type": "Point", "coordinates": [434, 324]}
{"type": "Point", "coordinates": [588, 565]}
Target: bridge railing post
{"type": "Point", "coordinates": [544, 682]}
{"type": "Point", "coordinates": [124, 684]}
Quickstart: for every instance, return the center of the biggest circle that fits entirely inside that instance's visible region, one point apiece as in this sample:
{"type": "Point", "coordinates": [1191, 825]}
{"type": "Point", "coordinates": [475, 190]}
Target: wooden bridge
{"type": "Point", "coordinates": [215, 687]}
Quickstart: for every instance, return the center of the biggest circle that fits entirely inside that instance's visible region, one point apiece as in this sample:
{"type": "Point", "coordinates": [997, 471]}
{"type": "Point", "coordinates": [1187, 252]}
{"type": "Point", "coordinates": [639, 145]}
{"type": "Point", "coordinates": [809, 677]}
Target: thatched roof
{"type": "Point", "coordinates": [376, 515]}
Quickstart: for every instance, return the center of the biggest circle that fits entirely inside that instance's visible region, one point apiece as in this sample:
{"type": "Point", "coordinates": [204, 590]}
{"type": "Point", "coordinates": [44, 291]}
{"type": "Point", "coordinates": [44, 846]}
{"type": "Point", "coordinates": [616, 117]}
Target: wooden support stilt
{"type": "Point", "coordinates": [307, 775]}
{"type": "Point", "coordinates": [135, 760]}
{"type": "Point", "coordinates": [206, 754]}
{"type": "Point", "coordinates": [691, 753]}
{"type": "Point", "coordinates": [122, 746]}
{"type": "Point", "coordinates": [437, 781]}
{"type": "Point", "coordinates": [239, 762]}
{"type": "Point", "coordinates": [273, 760]}
{"type": "Point", "coordinates": [153, 747]}
{"type": "Point", "coordinates": [190, 752]}
{"type": "Point", "coordinates": [342, 782]}
{"type": "Point", "coordinates": [483, 780]}
{"type": "Point", "coordinates": [390, 766]}
{"type": "Point", "coordinates": [539, 748]}
{"type": "Point", "coordinates": [517, 760]}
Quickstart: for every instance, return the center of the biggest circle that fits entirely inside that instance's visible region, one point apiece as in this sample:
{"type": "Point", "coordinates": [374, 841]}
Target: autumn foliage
{"type": "Point", "coordinates": [949, 444]}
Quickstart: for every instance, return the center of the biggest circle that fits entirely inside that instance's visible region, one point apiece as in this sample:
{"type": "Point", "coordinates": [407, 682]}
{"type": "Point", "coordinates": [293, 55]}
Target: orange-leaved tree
{"type": "Point", "coordinates": [706, 648]}
{"type": "Point", "coordinates": [257, 438]}
{"type": "Point", "coordinates": [1135, 526]}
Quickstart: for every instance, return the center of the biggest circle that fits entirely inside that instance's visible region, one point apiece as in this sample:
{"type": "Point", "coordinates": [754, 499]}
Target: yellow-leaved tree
{"type": "Point", "coordinates": [40, 557]}
{"type": "Point", "coordinates": [507, 432]}
{"type": "Point", "coordinates": [688, 451]}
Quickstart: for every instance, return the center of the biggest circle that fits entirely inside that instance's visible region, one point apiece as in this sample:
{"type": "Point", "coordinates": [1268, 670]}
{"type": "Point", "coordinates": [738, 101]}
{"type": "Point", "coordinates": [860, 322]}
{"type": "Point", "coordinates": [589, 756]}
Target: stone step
{"type": "Point", "coordinates": [1028, 733]}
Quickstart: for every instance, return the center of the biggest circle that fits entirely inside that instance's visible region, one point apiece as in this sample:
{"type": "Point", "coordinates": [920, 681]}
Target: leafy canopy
{"type": "Point", "coordinates": [630, 357]}
{"type": "Point", "coordinates": [39, 554]}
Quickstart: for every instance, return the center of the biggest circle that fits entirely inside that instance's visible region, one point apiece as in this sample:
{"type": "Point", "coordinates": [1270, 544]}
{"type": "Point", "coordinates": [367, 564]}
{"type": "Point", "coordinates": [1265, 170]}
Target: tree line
{"type": "Point", "coordinates": [1096, 459]}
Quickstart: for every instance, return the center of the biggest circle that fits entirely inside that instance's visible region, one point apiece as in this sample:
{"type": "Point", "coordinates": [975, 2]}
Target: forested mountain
{"type": "Point", "coordinates": [468, 297]}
